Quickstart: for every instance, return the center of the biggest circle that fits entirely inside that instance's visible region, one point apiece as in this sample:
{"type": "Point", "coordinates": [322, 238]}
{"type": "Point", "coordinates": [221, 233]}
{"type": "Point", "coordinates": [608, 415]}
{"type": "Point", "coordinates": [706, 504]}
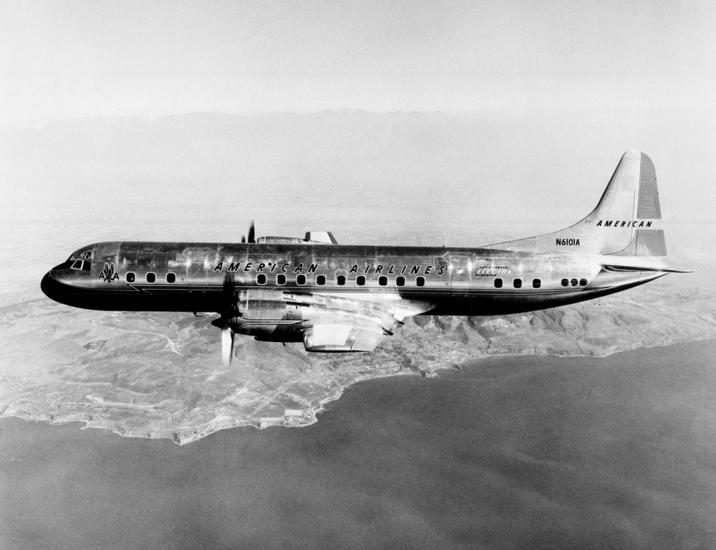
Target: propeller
{"type": "Point", "coordinates": [231, 310]}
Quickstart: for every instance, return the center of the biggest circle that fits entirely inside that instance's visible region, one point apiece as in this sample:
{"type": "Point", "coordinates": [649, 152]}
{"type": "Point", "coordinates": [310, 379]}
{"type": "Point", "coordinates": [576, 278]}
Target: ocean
{"type": "Point", "coordinates": [509, 452]}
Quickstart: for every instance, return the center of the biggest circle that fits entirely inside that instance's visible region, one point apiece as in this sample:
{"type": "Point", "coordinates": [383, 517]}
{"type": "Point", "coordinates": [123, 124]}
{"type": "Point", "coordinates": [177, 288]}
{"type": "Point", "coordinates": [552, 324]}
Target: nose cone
{"type": "Point", "coordinates": [50, 286]}
{"type": "Point", "coordinates": [54, 287]}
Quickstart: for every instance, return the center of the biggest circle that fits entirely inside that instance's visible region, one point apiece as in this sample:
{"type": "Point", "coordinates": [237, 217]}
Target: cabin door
{"type": "Point", "coordinates": [459, 270]}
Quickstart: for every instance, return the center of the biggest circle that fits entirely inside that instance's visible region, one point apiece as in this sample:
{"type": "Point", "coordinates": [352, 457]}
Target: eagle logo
{"type": "Point", "coordinates": [108, 274]}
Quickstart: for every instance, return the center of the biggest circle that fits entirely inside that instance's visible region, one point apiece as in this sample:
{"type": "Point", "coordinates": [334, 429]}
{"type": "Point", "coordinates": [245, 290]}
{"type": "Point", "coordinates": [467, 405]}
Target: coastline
{"type": "Point", "coordinates": [525, 451]}
{"type": "Point", "coordinates": [309, 416]}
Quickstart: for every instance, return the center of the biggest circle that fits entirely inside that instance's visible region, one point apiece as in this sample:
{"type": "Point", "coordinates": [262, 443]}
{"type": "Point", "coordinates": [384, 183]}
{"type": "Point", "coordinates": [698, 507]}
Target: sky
{"type": "Point", "coordinates": [61, 60]}
{"type": "Point", "coordinates": [524, 103]}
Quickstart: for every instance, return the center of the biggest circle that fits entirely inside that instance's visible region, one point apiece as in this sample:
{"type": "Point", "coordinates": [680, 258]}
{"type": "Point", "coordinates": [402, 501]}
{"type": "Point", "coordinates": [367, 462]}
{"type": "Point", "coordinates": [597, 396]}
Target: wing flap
{"type": "Point", "coordinates": [344, 323]}
{"type": "Point", "coordinates": [338, 337]}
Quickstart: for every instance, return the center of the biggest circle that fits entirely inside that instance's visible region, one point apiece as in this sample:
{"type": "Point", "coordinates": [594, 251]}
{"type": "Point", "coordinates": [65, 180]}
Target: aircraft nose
{"type": "Point", "coordinates": [50, 286]}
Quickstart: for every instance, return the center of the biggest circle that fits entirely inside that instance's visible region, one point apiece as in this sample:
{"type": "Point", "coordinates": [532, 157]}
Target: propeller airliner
{"type": "Point", "coordinates": [341, 298]}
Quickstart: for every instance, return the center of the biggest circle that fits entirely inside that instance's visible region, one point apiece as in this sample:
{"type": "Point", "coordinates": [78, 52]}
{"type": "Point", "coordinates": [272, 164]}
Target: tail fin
{"type": "Point", "coordinates": [626, 221]}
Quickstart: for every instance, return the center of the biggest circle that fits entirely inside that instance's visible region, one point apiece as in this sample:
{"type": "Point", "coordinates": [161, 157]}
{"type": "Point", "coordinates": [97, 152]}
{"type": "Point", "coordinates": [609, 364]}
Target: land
{"type": "Point", "coordinates": [159, 375]}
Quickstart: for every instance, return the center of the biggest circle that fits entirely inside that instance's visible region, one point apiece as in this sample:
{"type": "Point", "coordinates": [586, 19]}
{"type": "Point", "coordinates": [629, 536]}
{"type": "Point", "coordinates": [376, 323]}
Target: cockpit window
{"type": "Point", "coordinates": [83, 265]}
{"type": "Point", "coordinates": [80, 261]}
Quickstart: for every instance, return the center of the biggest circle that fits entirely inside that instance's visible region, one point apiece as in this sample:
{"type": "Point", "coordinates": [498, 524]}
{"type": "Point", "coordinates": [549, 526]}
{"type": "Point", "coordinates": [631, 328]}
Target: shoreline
{"type": "Point", "coordinates": [519, 452]}
{"type": "Point", "coordinates": [310, 415]}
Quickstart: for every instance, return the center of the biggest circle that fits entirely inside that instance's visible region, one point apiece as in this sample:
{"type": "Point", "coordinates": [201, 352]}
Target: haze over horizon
{"type": "Point", "coordinates": [102, 59]}
{"type": "Point", "coordinates": [522, 104]}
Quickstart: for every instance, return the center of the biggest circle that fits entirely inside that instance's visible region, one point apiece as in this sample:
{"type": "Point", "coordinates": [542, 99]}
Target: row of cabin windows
{"type": "Point", "coordinates": [340, 280]}
{"type": "Point", "coordinates": [574, 282]}
{"type": "Point", "coordinates": [537, 283]}
{"type": "Point", "coordinates": [150, 277]}
{"type": "Point", "coordinates": [261, 279]}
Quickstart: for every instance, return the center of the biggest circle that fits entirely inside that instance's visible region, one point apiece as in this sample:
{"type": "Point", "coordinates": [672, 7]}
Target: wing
{"type": "Point", "coordinates": [351, 321]}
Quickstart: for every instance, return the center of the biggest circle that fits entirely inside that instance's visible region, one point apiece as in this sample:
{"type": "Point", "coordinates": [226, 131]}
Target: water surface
{"type": "Point", "coordinates": [509, 452]}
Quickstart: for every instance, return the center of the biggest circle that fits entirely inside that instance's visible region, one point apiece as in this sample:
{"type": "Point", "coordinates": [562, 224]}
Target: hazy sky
{"type": "Point", "coordinates": [103, 58]}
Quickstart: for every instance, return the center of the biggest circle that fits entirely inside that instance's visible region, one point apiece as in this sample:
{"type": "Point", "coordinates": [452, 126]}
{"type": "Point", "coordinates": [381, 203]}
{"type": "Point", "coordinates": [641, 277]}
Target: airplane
{"type": "Point", "coordinates": [347, 298]}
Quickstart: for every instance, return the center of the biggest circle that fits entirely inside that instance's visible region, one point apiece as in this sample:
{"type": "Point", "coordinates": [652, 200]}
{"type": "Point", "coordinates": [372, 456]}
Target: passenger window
{"type": "Point", "coordinates": [129, 277]}
{"type": "Point", "coordinates": [574, 282]}
{"type": "Point", "coordinates": [171, 277]}
{"type": "Point", "coordinates": [536, 283]}
{"type": "Point", "coordinates": [420, 281]}
{"type": "Point", "coordinates": [382, 280]}
{"type": "Point", "coordinates": [341, 280]}
{"type": "Point", "coordinates": [151, 277]}
{"type": "Point", "coordinates": [583, 282]}
{"type": "Point", "coordinates": [360, 280]}
{"type": "Point", "coordinates": [300, 279]}
{"type": "Point", "coordinates": [281, 279]}
{"type": "Point", "coordinates": [320, 279]}
{"type": "Point", "coordinates": [517, 283]}
{"type": "Point", "coordinates": [498, 283]}
{"type": "Point", "coordinates": [400, 281]}
{"type": "Point", "coordinates": [565, 282]}
{"type": "Point", "coordinates": [261, 279]}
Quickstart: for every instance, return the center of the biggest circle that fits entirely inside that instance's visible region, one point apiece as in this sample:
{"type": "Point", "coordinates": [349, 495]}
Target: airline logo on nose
{"type": "Point", "coordinates": [625, 223]}
{"type": "Point", "coordinates": [108, 274]}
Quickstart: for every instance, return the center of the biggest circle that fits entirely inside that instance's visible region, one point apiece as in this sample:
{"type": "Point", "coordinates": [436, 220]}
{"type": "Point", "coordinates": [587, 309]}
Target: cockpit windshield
{"type": "Point", "coordinates": [80, 261]}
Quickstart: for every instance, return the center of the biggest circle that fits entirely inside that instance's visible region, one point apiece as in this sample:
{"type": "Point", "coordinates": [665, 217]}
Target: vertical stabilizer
{"type": "Point", "coordinates": [625, 222]}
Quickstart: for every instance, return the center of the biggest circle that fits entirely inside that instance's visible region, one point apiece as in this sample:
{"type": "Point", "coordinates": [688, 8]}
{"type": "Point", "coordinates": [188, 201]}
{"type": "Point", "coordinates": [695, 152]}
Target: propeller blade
{"type": "Point", "coordinates": [227, 346]}
{"type": "Point", "coordinates": [252, 232]}
{"type": "Point", "coordinates": [231, 308]}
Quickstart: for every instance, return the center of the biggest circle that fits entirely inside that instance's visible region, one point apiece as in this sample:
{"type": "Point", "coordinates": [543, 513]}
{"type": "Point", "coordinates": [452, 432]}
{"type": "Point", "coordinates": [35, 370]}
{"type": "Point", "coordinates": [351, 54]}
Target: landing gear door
{"type": "Point", "coordinates": [459, 269]}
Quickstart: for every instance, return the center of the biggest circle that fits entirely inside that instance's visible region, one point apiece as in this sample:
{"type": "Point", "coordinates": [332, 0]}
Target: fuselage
{"type": "Point", "coordinates": [337, 298]}
{"type": "Point", "coordinates": [191, 277]}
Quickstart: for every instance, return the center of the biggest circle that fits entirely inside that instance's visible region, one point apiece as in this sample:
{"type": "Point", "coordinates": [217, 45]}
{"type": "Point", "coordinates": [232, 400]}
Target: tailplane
{"type": "Point", "coordinates": [625, 222]}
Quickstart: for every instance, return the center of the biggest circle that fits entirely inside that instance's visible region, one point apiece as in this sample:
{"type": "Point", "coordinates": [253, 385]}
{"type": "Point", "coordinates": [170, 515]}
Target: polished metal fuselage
{"type": "Point", "coordinates": [452, 281]}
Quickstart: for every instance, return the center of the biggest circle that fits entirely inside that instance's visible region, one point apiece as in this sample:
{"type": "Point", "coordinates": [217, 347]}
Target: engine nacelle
{"type": "Point", "coordinates": [280, 240]}
{"type": "Point", "coordinates": [265, 315]}
{"type": "Point", "coordinates": [312, 237]}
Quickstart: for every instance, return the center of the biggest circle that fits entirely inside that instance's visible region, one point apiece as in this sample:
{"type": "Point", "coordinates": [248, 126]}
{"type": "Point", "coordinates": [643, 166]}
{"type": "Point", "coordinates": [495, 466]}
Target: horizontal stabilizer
{"type": "Point", "coordinates": [633, 267]}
